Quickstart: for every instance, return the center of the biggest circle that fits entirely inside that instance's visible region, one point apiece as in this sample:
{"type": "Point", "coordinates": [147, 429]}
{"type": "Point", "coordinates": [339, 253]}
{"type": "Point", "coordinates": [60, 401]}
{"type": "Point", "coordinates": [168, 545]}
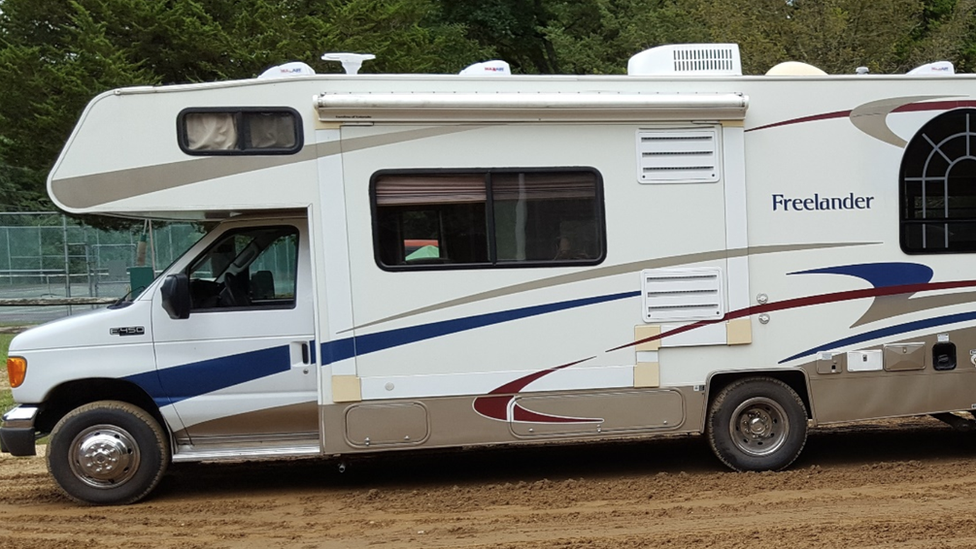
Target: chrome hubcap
{"type": "Point", "coordinates": [759, 426]}
{"type": "Point", "coordinates": [104, 456]}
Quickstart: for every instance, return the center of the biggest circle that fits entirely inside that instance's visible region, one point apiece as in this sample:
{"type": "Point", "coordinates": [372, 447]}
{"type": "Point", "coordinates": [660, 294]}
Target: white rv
{"type": "Point", "coordinates": [424, 261]}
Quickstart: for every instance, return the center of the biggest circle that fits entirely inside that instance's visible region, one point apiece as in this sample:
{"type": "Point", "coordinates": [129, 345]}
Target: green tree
{"type": "Point", "coordinates": [511, 29]}
{"type": "Point", "coordinates": [18, 187]}
{"type": "Point", "coordinates": [55, 56]}
{"type": "Point", "coordinates": [599, 36]}
{"type": "Point", "coordinates": [840, 35]}
{"type": "Point", "coordinates": [835, 35]}
{"type": "Point", "coordinates": [947, 32]}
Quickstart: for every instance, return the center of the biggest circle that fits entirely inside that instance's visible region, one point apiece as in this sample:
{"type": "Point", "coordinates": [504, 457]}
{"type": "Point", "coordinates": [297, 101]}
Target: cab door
{"type": "Point", "coordinates": [240, 370]}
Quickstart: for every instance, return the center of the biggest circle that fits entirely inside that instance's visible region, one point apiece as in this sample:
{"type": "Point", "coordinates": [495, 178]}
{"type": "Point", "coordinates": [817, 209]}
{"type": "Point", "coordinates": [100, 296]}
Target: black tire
{"type": "Point", "coordinates": [757, 424]}
{"type": "Point", "coordinates": [127, 453]}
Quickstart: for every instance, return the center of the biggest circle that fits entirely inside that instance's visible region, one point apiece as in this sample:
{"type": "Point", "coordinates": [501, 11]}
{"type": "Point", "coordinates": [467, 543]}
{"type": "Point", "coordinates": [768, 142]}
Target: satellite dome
{"type": "Point", "coordinates": [494, 67]}
{"type": "Point", "coordinates": [295, 68]}
{"type": "Point", "coordinates": [938, 68]}
{"type": "Point", "coordinates": [794, 68]}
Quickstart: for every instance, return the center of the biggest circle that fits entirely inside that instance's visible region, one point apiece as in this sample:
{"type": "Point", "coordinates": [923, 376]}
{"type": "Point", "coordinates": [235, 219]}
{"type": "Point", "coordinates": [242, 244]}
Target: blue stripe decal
{"type": "Point", "coordinates": [881, 275]}
{"type": "Point", "coordinates": [171, 385]}
{"type": "Point", "coordinates": [887, 332]}
{"type": "Point", "coordinates": [342, 349]}
{"type": "Point", "coordinates": [149, 382]}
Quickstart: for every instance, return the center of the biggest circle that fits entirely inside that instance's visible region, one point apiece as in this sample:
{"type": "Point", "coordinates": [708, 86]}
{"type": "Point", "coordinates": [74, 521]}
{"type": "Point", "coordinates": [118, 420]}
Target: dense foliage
{"type": "Point", "coordinates": [55, 55]}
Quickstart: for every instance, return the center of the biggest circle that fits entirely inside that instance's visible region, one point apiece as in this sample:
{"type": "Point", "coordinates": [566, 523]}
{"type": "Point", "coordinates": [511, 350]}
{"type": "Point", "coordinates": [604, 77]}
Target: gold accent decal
{"type": "Point", "coordinates": [872, 118]}
{"type": "Point", "coordinates": [644, 332]}
{"type": "Point", "coordinates": [346, 389]}
{"type": "Point", "coordinates": [739, 331]}
{"type": "Point", "coordinates": [647, 374]}
{"type": "Point", "coordinates": [733, 123]}
{"type": "Point", "coordinates": [88, 191]}
{"type": "Point", "coordinates": [612, 270]}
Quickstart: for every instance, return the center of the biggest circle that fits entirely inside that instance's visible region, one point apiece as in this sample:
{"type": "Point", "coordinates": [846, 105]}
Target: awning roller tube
{"type": "Point", "coordinates": [530, 106]}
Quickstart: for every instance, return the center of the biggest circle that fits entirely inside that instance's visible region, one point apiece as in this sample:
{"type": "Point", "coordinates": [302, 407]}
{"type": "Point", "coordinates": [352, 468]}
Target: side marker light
{"type": "Point", "coordinates": [16, 370]}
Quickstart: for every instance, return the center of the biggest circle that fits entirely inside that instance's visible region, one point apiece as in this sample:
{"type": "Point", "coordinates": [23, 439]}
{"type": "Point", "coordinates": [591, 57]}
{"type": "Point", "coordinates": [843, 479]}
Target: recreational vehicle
{"type": "Point", "coordinates": [429, 261]}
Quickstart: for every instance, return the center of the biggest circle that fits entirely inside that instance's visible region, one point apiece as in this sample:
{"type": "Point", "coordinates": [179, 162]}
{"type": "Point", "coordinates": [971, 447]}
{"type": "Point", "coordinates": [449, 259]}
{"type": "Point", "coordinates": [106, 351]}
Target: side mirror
{"type": "Point", "coordinates": [176, 296]}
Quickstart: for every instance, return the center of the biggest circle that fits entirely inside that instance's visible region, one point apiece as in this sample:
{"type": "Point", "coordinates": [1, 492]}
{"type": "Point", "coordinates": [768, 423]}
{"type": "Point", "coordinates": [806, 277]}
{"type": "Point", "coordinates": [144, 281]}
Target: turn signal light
{"type": "Point", "coordinates": [16, 370]}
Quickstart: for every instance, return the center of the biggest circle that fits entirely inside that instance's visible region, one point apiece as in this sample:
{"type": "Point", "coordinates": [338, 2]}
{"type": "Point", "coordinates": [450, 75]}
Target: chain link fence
{"type": "Point", "coordinates": [49, 255]}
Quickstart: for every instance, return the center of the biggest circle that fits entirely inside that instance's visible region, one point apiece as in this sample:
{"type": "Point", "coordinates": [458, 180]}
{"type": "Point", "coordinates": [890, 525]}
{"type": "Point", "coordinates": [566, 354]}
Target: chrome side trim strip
{"type": "Point", "coordinates": [187, 455]}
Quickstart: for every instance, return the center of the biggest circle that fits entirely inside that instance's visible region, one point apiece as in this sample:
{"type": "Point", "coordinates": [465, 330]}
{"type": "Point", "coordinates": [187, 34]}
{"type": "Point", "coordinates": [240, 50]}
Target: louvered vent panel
{"type": "Point", "coordinates": [673, 295]}
{"type": "Point", "coordinates": [678, 156]}
{"type": "Point", "coordinates": [707, 60]}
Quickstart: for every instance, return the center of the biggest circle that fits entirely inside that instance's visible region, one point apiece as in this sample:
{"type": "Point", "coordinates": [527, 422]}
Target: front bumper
{"type": "Point", "coordinates": [17, 433]}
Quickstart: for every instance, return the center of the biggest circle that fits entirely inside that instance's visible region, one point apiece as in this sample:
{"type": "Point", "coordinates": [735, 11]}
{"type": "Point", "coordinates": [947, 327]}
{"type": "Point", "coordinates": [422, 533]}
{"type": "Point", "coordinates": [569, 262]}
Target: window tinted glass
{"type": "Point", "coordinates": [545, 217]}
{"type": "Point", "coordinates": [239, 131]}
{"type": "Point", "coordinates": [270, 130]}
{"type": "Point", "coordinates": [247, 268]}
{"type": "Point", "coordinates": [211, 131]}
{"type": "Point", "coordinates": [493, 218]}
{"type": "Point", "coordinates": [938, 186]}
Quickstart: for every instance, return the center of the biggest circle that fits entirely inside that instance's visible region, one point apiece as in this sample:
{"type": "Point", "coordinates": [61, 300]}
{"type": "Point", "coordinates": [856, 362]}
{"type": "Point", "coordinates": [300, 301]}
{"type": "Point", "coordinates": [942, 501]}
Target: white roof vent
{"type": "Point", "coordinates": [687, 60]}
{"type": "Point", "coordinates": [494, 67]}
{"type": "Point", "coordinates": [351, 62]}
{"type": "Point", "coordinates": [295, 68]}
{"type": "Point", "coordinates": [939, 68]}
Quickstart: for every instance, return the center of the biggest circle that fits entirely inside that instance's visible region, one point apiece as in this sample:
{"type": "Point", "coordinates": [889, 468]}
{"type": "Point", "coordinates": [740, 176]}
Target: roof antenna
{"type": "Point", "coordinates": [351, 62]}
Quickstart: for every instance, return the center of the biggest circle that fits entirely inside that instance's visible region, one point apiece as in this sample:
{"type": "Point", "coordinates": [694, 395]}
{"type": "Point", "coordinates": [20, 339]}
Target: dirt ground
{"type": "Point", "coordinates": [894, 484]}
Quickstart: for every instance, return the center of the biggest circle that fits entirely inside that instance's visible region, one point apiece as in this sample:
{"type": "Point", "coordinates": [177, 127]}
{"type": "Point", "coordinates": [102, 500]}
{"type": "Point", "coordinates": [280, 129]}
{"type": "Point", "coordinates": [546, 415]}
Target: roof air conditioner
{"type": "Point", "coordinates": [687, 60]}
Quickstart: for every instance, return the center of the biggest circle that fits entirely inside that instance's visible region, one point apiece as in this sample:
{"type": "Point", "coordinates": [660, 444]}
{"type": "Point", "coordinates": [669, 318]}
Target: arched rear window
{"type": "Point", "coordinates": [938, 186]}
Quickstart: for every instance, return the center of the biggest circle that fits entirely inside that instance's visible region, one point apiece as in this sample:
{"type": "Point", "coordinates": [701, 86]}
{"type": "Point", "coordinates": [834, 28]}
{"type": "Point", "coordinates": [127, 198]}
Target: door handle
{"type": "Point", "coordinates": [301, 353]}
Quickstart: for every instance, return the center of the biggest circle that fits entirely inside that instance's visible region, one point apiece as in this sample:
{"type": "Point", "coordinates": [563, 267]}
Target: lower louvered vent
{"type": "Point", "coordinates": [674, 295]}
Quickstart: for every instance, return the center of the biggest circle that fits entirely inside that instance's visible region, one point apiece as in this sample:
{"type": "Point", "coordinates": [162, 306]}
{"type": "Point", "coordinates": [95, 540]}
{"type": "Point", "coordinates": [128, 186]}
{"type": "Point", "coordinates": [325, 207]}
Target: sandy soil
{"type": "Point", "coordinates": [901, 484]}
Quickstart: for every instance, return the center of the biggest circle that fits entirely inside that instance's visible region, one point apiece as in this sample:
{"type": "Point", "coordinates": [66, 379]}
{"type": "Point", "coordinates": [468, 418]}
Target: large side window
{"type": "Point", "coordinates": [938, 186]}
{"type": "Point", "coordinates": [247, 268]}
{"type": "Point", "coordinates": [492, 218]}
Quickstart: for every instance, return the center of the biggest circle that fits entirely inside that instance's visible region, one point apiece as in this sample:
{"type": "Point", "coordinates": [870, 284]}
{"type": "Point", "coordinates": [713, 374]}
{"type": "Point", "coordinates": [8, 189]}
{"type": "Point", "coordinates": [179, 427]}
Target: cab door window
{"type": "Point", "coordinates": [247, 268]}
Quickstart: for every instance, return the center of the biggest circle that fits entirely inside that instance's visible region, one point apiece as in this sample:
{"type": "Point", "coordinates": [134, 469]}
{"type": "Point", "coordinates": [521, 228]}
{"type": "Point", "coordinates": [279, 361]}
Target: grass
{"type": "Point", "coordinates": [6, 400]}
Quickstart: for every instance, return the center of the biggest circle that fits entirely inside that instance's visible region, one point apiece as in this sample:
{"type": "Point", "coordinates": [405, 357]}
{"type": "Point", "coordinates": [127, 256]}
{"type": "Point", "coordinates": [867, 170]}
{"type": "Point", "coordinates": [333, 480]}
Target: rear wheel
{"type": "Point", "coordinates": [757, 424]}
{"type": "Point", "coordinates": [107, 453]}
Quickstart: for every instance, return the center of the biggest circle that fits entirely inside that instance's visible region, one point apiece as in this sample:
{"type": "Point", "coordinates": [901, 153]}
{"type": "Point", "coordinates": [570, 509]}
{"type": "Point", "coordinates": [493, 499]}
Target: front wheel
{"type": "Point", "coordinates": [107, 453]}
{"type": "Point", "coordinates": [757, 424]}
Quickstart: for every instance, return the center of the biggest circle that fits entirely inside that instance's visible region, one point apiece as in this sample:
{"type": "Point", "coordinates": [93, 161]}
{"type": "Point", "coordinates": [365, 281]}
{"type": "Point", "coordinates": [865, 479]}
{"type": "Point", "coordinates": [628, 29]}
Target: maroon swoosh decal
{"type": "Point", "coordinates": [812, 118]}
{"type": "Point", "coordinates": [495, 404]}
{"type": "Point", "coordinates": [521, 414]}
{"type": "Point", "coordinates": [934, 106]}
{"type": "Point", "coordinates": [910, 107]}
{"type": "Point", "coordinates": [808, 301]}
